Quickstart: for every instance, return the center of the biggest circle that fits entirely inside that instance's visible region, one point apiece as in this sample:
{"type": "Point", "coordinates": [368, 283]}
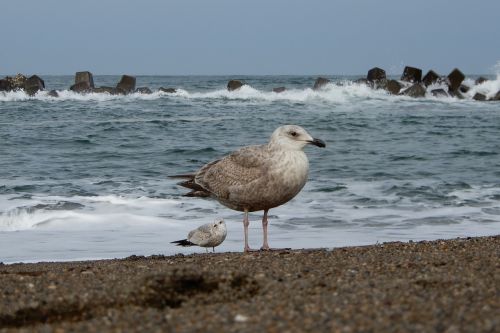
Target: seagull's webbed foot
{"type": "Point", "coordinates": [248, 249]}
{"type": "Point", "coordinates": [265, 247]}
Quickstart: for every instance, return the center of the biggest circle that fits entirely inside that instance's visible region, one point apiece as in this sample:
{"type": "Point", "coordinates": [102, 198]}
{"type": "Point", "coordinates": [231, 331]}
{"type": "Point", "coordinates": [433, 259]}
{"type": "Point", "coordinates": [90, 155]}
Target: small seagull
{"type": "Point", "coordinates": [207, 235]}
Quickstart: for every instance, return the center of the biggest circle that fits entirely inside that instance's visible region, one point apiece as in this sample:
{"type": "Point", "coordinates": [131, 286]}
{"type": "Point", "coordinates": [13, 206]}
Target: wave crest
{"type": "Point", "coordinates": [334, 92]}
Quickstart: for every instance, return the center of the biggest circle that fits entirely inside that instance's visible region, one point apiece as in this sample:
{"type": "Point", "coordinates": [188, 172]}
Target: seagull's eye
{"type": "Point", "coordinates": [293, 133]}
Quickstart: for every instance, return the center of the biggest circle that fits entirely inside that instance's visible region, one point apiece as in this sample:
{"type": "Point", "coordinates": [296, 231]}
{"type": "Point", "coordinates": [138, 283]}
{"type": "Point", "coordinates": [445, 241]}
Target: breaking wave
{"type": "Point", "coordinates": [337, 92]}
{"type": "Point", "coordinates": [69, 213]}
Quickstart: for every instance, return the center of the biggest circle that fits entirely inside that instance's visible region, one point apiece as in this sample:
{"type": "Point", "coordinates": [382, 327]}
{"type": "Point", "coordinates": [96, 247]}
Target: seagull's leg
{"type": "Point", "coordinates": [245, 225]}
{"type": "Point", "coordinates": [265, 245]}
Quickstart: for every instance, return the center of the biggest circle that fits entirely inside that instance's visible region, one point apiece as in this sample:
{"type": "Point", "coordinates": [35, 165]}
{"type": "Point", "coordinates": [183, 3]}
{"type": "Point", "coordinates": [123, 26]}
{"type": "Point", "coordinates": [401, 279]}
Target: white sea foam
{"type": "Point", "coordinates": [358, 212]}
{"type": "Point", "coordinates": [488, 88]}
{"type": "Point", "coordinates": [92, 211]}
{"type": "Point", "coordinates": [373, 204]}
{"type": "Point", "coordinates": [340, 93]}
{"type": "Point", "coordinates": [331, 93]}
{"type": "Point", "coordinates": [354, 202]}
{"type": "Point", "coordinates": [68, 95]}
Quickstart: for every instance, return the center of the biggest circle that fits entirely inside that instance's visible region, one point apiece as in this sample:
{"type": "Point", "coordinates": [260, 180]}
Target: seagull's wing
{"type": "Point", "coordinates": [200, 235]}
{"type": "Point", "coordinates": [234, 171]}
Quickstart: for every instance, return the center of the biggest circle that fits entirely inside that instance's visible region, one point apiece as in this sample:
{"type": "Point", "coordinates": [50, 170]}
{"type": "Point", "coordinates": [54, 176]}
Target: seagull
{"type": "Point", "coordinates": [258, 177]}
{"type": "Point", "coordinates": [207, 235]}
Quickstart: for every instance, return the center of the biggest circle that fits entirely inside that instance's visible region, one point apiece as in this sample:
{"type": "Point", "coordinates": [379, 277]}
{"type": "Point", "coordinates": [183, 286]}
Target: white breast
{"type": "Point", "coordinates": [293, 168]}
{"type": "Point", "coordinates": [289, 176]}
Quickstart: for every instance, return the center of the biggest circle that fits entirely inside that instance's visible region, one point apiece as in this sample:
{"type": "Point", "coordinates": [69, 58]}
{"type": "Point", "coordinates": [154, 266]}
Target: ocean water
{"type": "Point", "coordinates": [85, 176]}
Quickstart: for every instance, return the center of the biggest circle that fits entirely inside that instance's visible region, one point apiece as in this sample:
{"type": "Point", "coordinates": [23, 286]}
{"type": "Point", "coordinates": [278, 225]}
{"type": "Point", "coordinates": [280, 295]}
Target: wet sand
{"type": "Point", "coordinates": [440, 286]}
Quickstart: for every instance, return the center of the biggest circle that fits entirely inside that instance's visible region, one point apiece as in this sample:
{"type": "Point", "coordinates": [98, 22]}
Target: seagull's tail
{"type": "Point", "coordinates": [197, 190]}
{"type": "Point", "coordinates": [183, 242]}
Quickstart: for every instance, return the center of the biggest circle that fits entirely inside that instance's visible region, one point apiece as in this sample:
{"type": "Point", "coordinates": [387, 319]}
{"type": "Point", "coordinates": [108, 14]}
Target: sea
{"type": "Point", "coordinates": [86, 176]}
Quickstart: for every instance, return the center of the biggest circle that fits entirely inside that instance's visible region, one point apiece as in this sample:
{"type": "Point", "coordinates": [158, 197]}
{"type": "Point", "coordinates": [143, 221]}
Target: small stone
{"type": "Point", "coordinates": [234, 85]}
{"type": "Point", "coordinates": [375, 74]}
{"type": "Point", "coordinates": [143, 90]}
{"type": "Point", "coordinates": [320, 83]}
{"type": "Point", "coordinates": [430, 78]}
{"type": "Point", "coordinates": [279, 89]}
{"type": "Point", "coordinates": [239, 318]}
{"type": "Point", "coordinates": [480, 80]}
{"type": "Point", "coordinates": [463, 88]}
{"type": "Point", "coordinates": [455, 77]}
{"type": "Point", "coordinates": [456, 94]}
{"type": "Point", "coordinates": [53, 93]}
{"type": "Point", "coordinates": [17, 82]}
{"type": "Point", "coordinates": [479, 97]}
{"type": "Point", "coordinates": [33, 84]}
{"type": "Point", "coordinates": [168, 90]}
{"type": "Point", "coordinates": [416, 90]}
{"type": "Point", "coordinates": [5, 85]}
{"type": "Point", "coordinates": [81, 87]}
{"type": "Point", "coordinates": [439, 93]}
{"type": "Point", "coordinates": [393, 87]}
{"type": "Point", "coordinates": [33, 304]}
{"type": "Point", "coordinates": [452, 329]}
{"type": "Point", "coordinates": [126, 84]}
{"type": "Point", "coordinates": [84, 82]}
{"type": "Point", "coordinates": [412, 74]}
{"type": "Point", "coordinates": [86, 77]}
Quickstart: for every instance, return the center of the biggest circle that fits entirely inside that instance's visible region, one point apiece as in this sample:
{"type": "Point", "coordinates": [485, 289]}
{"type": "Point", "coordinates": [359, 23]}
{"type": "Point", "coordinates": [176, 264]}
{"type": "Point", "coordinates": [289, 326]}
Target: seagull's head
{"type": "Point", "coordinates": [219, 224]}
{"type": "Point", "coordinates": [294, 137]}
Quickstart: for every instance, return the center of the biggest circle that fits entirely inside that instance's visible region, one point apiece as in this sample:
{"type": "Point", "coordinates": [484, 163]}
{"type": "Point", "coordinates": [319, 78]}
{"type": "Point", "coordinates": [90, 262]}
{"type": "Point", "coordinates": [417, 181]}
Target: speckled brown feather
{"type": "Point", "coordinates": [234, 172]}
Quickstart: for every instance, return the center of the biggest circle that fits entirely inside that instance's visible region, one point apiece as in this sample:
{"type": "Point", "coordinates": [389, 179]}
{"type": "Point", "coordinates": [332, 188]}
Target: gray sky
{"type": "Point", "coordinates": [248, 37]}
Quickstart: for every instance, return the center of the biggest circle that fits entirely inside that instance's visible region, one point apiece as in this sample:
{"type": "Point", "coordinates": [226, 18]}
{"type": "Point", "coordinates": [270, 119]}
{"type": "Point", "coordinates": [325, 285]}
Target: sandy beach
{"type": "Point", "coordinates": [438, 286]}
{"type": "Point", "coordinates": [354, 145]}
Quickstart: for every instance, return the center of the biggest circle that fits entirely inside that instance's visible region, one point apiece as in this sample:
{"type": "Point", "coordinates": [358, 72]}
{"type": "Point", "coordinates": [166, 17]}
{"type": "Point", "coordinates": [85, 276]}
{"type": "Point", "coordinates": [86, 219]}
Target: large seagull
{"type": "Point", "coordinates": [255, 178]}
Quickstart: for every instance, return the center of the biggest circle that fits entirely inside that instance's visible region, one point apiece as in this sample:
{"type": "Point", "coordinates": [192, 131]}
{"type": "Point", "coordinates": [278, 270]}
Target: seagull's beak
{"type": "Point", "coordinates": [317, 142]}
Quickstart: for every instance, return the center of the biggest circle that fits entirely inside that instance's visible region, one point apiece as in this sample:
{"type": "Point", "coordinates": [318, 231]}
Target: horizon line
{"type": "Point", "coordinates": [234, 75]}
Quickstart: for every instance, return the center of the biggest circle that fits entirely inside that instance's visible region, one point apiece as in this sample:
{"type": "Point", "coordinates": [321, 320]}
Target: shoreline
{"type": "Point", "coordinates": [432, 286]}
{"type": "Point", "coordinates": [196, 250]}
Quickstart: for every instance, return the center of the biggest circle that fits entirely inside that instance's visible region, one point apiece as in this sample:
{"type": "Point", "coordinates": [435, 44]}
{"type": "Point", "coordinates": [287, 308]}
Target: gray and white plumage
{"type": "Point", "coordinates": [206, 235]}
{"type": "Point", "coordinates": [257, 177]}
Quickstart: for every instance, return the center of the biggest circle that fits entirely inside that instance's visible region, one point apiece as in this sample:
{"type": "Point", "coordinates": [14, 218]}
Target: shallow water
{"type": "Point", "coordinates": [85, 176]}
